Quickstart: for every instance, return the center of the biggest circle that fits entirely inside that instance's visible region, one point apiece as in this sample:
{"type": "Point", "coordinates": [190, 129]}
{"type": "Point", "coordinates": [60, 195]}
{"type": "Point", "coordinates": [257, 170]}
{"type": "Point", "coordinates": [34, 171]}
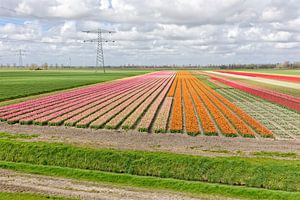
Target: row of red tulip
{"type": "Point", "coordinates": [282, 99]}
{"type": "Point", "coordinates": [269, 76]}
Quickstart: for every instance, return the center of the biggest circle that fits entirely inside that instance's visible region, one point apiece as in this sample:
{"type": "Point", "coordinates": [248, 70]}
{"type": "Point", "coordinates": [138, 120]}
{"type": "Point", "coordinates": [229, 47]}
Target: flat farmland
{"type": "Point", "coordinates": [166, 101]}
{"type": "Point", "coordinates": [164, 130]}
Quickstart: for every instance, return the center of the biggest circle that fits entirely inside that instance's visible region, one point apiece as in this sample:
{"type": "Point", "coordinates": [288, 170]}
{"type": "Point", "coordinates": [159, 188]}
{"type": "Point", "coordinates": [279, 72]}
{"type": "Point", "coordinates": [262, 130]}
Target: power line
{"type": "Point", "coordinates": [100, 40]}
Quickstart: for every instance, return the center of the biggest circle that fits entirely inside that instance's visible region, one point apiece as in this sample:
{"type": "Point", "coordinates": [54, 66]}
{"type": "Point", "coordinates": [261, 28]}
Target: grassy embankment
{"type": "Point", "coordinates": [183, 173]}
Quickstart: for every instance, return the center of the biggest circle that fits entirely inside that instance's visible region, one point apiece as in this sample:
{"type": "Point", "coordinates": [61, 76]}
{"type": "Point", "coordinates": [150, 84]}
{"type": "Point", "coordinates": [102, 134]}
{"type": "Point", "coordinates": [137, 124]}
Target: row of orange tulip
{"type": "Point", "coordinates": [239, 124]}
{"type": "Point", "coordinates": [207, 124]}
{"type": "Point", "coordinates": [176, 117]}
{"type": "Point", "coordinates": [194, 97]}
{"type": "Point", "coordinates": [191, 121]}
{"type": "Point", "coordinates": [263, 131]}
{"type": "Point", "coordinates": [173, 87]}
{"type": "Point", "coordinates": [225, 127]}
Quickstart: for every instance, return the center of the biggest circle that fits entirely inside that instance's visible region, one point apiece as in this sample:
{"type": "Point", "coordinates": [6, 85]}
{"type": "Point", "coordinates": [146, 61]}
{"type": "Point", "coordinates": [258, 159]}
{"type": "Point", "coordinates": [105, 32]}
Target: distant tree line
{"type": "Point", "coordinates": [45, 66]}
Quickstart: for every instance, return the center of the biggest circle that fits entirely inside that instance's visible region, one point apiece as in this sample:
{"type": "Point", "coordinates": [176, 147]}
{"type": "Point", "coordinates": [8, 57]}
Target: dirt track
{"type": "Point", "coordinates": [177, 143]}
{"type": "Point", "coordinates": [11, 181]}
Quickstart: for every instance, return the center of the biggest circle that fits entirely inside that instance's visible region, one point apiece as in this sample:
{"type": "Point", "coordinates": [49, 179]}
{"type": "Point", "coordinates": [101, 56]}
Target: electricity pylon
{"type": "Point", "coordinates": [21, 53]}
{"type": "Point", "coordinates": [100, 40]}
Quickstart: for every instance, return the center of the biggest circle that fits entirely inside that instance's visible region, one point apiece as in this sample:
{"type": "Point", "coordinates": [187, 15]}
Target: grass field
{"type": "Point", "coordinates": [22, 83]}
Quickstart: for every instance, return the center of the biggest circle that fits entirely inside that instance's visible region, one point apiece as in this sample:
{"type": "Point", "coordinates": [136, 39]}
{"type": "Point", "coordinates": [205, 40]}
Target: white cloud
{"type": "Point", "coordinates": [161, 32]}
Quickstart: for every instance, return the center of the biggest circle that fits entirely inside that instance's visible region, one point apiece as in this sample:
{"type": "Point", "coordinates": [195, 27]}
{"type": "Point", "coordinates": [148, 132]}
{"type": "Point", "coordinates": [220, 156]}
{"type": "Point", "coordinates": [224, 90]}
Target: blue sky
{"type": "Point", "coordinates": [151, 32]}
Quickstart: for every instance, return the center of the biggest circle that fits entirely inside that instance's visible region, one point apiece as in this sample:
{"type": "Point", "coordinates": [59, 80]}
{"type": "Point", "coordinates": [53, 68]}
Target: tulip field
{"type": "Point", "coordinates": [282, 99]}
{"type": "Point", "coordinates": [159, 102]}
{"type": "Point", "coordinates": [269, 76]}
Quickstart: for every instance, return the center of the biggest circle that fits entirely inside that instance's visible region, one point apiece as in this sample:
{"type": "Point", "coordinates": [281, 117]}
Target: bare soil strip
{"type": "Point", "coordinates": [168, 142]}
{"type": "Point", "coordinates": [11, 181]}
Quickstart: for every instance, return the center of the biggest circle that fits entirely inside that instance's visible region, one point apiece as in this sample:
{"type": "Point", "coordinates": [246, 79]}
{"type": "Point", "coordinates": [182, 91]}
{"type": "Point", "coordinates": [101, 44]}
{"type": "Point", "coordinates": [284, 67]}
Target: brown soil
{"type": "Point", "coordinates": [170, 142]}
{"type": "Point", "coordinates": [11, 181]}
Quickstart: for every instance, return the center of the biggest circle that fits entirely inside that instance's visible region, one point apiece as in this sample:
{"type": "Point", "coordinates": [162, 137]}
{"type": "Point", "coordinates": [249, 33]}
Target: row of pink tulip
{"type": "Point", "coordinates": [161, 121]}
{"type": "Point", "coordinates": [67, 111]}
{"type": "Point", "coordinates": [27, 116]}
{"type": "Point", "coordinates": [61, 101]}
{"type": "Point", "coordinates": [86, 102]}
{"type": "Point", "coordinates": [52, 98]}
{"type": "Point", "coordinates": [126, 106]}
{"type": "Point", "coordinates": [35, 109]}
{"type": "Point", "coordinates": [137, 108]}
{"type": "Point", "coordinates": [86, 117]}
{"type": "Point", "coordinates": [148, 118]}
{"type": "Point", "coordinates": [99, 102]}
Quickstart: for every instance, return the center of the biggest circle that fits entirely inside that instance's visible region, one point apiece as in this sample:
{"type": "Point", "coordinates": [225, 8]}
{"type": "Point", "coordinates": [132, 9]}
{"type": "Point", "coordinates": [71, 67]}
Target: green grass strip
{"type": "Point", "coordinates": [276, 154]}
{"type": "Point", "coordinates": [28, 196]}
{"type": "Point", "coordinates": [4, 135]}
{"type": "Point", "coordinates": [251, 172]}
{"type": "Point", "coordinates": [192, 187]}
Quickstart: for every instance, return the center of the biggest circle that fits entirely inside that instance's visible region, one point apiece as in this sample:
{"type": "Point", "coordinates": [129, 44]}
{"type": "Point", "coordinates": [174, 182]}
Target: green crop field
{"type": "Point", "coordinates": [22, 83]}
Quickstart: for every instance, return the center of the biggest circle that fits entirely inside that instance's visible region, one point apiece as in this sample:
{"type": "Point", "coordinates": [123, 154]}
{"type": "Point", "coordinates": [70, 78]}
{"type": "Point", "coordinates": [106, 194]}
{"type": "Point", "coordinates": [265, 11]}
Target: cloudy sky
{"type": "Point", "coordinates": [152, 32]}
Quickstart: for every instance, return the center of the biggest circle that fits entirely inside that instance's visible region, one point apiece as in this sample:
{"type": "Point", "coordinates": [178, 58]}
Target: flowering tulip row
{"type": "Point", "coordinates": [224, 125]}
{"type": "Point", "coordinates": [26, 116]}
{"type": "Point", "coordinates": [161, 122]}
{"type": "Point", "coordinates": [269, 114]}
{"type": "Point", "coordinates": [258, 127]}
{"type": "Point", "coordinates": [54, 99]}
{"type": "Point", "coordinates": [173, 87]}
{"type": "Point", "coordinates": [115, 117]}
{"type": "Point", "coordinates": [149, 116]}
{"type": "Point", "coordinates": [71, 118]}
{"type": "Point", "coordinates": [138, 112]}
{"type": "Point", "coordinates": [282, 99]}
{"type": "Point", "coordinates": [77, 105]}
{"type": "Point", "coordinates": [82, 119]}
{"type": "Point", "coordinates": [191, 121]}
{"type": "Point", "coordinates": [269, 76]}
{"type": "Point", "coordinates": [202, 106]}
{"type": "Point", "coordinates": [206, 121]}
{"type": "Point", "coordinates": [42, 116]}
{"type": "Point", "coordinates": [188, 93]}
{"type": "Point", "coordinates": [125, 110]}
{"type": "Point", "coordinates": [103, 113]}
{"type": "Point", "coordinates": [240, 125]}
{"type": "Point", "coordinates": [177, 113]}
